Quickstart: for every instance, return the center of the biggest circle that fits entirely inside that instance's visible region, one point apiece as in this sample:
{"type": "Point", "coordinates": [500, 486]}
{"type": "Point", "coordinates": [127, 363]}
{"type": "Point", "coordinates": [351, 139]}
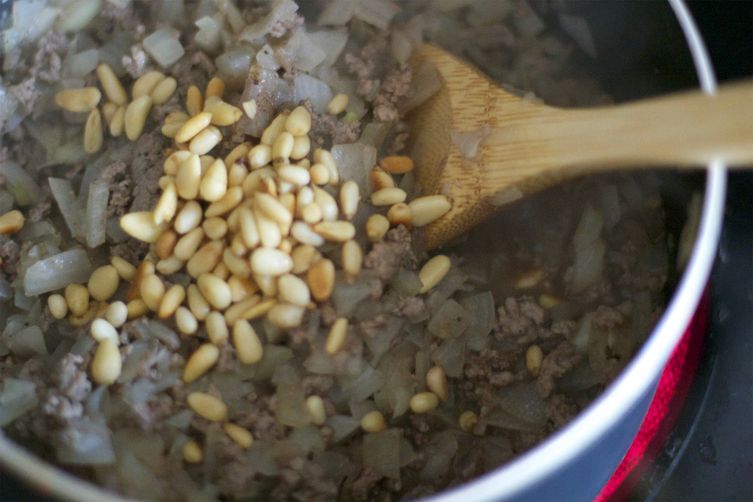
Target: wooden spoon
{"type": "Point", "coordinates": [528, 146]}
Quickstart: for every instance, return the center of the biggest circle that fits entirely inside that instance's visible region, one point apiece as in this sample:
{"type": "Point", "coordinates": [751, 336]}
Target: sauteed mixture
{"type": "Point", "coordinates": [209, 288]}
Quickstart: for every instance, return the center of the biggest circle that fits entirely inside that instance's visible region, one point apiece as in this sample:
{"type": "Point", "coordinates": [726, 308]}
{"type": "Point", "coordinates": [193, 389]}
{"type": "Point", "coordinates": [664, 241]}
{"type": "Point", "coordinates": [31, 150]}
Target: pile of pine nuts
{"type": "Point", "coordinates": [247, 229]}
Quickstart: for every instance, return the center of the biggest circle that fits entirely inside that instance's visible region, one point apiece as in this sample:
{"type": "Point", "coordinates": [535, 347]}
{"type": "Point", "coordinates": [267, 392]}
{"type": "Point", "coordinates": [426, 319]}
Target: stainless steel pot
{"type": "Point", "coordinates": [575, 462]}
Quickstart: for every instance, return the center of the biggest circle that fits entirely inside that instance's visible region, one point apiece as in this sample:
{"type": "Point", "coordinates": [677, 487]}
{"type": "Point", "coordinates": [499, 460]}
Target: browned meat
{"type": "Point", "coordinates": [392, 253]}
{"type": "Point", "coordinates": [558, 362]}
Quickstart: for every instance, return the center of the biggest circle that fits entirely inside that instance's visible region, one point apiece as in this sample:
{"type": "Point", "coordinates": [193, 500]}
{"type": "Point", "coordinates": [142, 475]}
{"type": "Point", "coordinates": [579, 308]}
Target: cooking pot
{"type": "Point", "coordinates": [576, 461]}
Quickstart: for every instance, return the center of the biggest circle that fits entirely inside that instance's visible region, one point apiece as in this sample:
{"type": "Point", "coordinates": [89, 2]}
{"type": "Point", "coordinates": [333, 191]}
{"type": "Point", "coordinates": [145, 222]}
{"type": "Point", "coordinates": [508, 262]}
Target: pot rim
{"type": "Point", "coordinates": [561, 447]}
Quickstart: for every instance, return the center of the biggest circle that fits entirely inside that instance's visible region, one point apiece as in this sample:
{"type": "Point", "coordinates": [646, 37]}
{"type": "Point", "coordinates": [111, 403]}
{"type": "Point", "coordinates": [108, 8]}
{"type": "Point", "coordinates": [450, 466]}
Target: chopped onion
{"type": "Point", "coordinates": [331, 42]}
{"type": "Point", "coordinates": [280, 10]}
{"type": "Point", "coordinates": [451, 320]}
{"type": "Point", "coordinates": [342, 426]}
{"type": "Point", "coordinates": [439, 454]}
{"type": "Point", "coordinates": [522, 401]}
{"type": "Point", "coordinates": [96, 213]}
{"type": "Point", "coordinates": [577, 27]}
{"type": "Point", "coordinates": [308, 55]}
{"type": "Point", "coordinates": [69, 205]}
{"type": "Point", "coordinates": [426, 82]}
{"type": "Point", "coordinates": [366, 384]}
{"type": "Point", "coordinates": [208, 38]}
{"type": "Point", "coordinates": [451, 357]}
{"type": "Point", "coordinates": [20, 183]}
{"type": "Point", "coordinates": [313, 89]}
{"type": "Point", "coordinates": [233, 65]}
{"type": "Point", "coordinates": [80, 64]}
{"type": "Point", "coordinates": [347, 296]}
{"type": "Point", "coordinates": [381, 452]}
{"type": "Point", "coordinates": [354, 161]}
{"type": "Point", "coordinates": [17, 397]}
{"type": "Point", "coordinates": [483, 315]}
{"type": "Point", "coordinates": [164, 46]}
{"type": "Point", "coordinates": [374, 133]}
{"type": "Point", "coordinates": [337, 13]}
{"type": "Point", "coordinates": [77, 14]}
{"type": "Point", "coordinates": [377, 13]}
{"type": "Point", "coordinates": [28, 342]}
{"type": "Point", "coordinates": [6, 201]}
{"type": "Point", "coordinates": [468, 142]}
{"type": "Point", "coordinates": [290, 407]}
{"type": "Point", "coordinates": [56, 272]}
{"type": "Point", "coordinates": [84, 442]}
{"type": "Point", "coordinates": [382, 339]}
{"type": "Point", "coordinates": [589, 251]}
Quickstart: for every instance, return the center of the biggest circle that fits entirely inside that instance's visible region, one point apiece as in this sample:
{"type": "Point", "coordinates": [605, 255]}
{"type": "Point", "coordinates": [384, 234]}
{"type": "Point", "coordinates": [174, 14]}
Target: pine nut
{"type": "Point", "coordinates": [298, 122]}
{"type": "Point", "coordinates": [433, 272]}
{"type": "Point", "coordinates": [286, 316]}
{"type": "Point", "coordinates": [304, 197]}
{"type": "Point", "coordinates": [103, 283]}
{"type": "Point", "coordinates": [327, 203]}
{"type": "Point", "coordinates": [376, 227]}
{"type": "Point", "coordinates": [223, 114]}
{"type": "Point", "coordinates": [299, 176]}
{"type": "Point", "coordinates": [163, 91]}
{"type": "Point", "coordinates": [269, 231]}
{"type": "Point", "coordinates": [171, 301]}
{"type": "Point", "coordinates": [170, 265]}
{"type": "Point", "coordinates": [316, 410]}
{"type": "Point", "coordinates": [303, 256]}
{"type": "Point", "coordinates": [221, 271]}
{"type": "Point", "coordinates": [282, 147]}
{"type": "Point", "coordinates": [207, 406]}
{"type": "Point", "coordinates": [174, 161]}
{"type": "Point", "coordinates": [116, 314]}
{"type": "Point", "coordinates": [170, 129]}
{"type": "Point", "coordinates": [111, 85]}
{"type": "Point", "coordinates": [239, 434]}
{"type": "Point", "coordinates": [167, 205]}
{"type": "Point", "coordinates": [78, 100]}
{"type": "Point", "coordinates": [117, 124]}
{"type": "Point", "coordinates": [301, 147]}
{"type": "Point", "coordinates": [400, 214]}
{"type": "Point", "coordinates": [215, 87]}
{"type": "Point", "coordinates": [322, 156]}
{"type": "Point", "coordinates": [135, 116]}
{"type": "Point", "coordinates": [293, 290]}
{"type": "Point", "coordinates": [273, 130]}
{"type": "Point", "coordinates": [247, 344]}
{"type": "Point", "coordinates": [397, 164]}
{"type": "Point", "coordinates": [236, 174]}
{"type": "Point", "coordinates": [196, 303]}
{"type": "Point", "coordinates": [57, 306]}
{"type": "Point", "coordinates": [241, 288]}
{"type": "Point", "coordinates": [312, 213]}
{"type": "Point", "coordinates": [373, 421]}
{"type": "Point", "coordinates": [145, 84]}
{"type": "Point", "coordinates": [381, 179]}
{"type": "Point", "coordinates": [534, 357]}
{"type": "Point", "coordinates": [237, 265]}
{"type": "Point", "coordinates": [467, 421]}
{"type": "Point", "coordinates": [337, 104]}
{"type": "Point", "coordinates": [205, 259]}
{"type": "Point", "coordinates": [349, 198]}
{"type": "Point", "coordinates": [216, 328]}
{"type": "Point", "coordinates": [238, 310]}
{"type": "Point", "coordinates": [207, 139]}
{"type": "Point", "coordinates": [86, 318]}
{"type": "Point", "coordinates": [548, 301]}
{"type": "Point", "coordinates": [304, 234]}
{"type": "Point", "coordinates": [423, 402]}
{"type": "Point", "coordinates": [185, 321]}
{"type": "Point", "coordinates": [387, 196]}
{"type": "Point", "coordinates": [187, 245]}
{"type": "Point", "coordinates": [237, 153]}
{"type": "Point", "coordinates": [144, 269]}
{"type": "Point", "coordinates": [106, 363]}
{"type": "Point", "coordinates": [77, 298]}
{"type": "Point", "coordinates": [108, 111]}
{"type": "Point", "coordinates": [258, 310]}
{"type": "Point", "coordinates": [267, 284]}
{"type": "Point", "coordinates": [165, 244]}
{"type": "Point", "coordinates": [194, 101]}
{"type": "Point", "coordinates": [428, 209]}
{"type": "Point", "coordinates": [259, 156]}
{"type": "Point", "coordinates": [273, 209]}
{"type": "Point", "coordinates": [530, 278]}
{"type": "Point", "coordinates": [267, 261]}
{"type": "Point", "coordinates": [252, 183]}
{"type": "Point", "coordinates": [321, 279]}
{"type": "Point", "coordinates": [200, 362]}
{"type": "Point", "coordinates": [193, 126]}
{"type": "Point", "coordinates": [238, 247]}
{"type": "Point", "coordinates": [319, 174]}
{"type": "Point", "coordinates": [140, 225]}
{"type": "Point", "coordinates": [192, 452]}
{"type": "Point", "coordinates": [227, 203]}
{"type": "Point", "coordinates": [215, 291]}
{"type": "Point", "coordinates": [250, 108]}
{"type": "Point", "coordinates": [214, 184]}
{"type": "Point", "coordinates": [152, 290]}
{"type": "Point", "coordinates": [188, 218]}
{"type": "Point", "coordinates": [11, 222]}
{"type": "Point", "coordinates": [136, 308]}
{"type": "Point", "coordinates": [126, 271]}
{"type": "Point", "coordinates": [336, 231]}
{"type": "Point", "coordinates": [352, 260]}
{"type": "Point", "coordinates": [436, 381]}
{"type": "Point", "coordinates": [102, 330]}
{"type": "Point", "coordinates": [336, 336]}
{"type": "Point", "coordinates": [93, 137]}
{"type": "Point", "coordinates": [214, 228]}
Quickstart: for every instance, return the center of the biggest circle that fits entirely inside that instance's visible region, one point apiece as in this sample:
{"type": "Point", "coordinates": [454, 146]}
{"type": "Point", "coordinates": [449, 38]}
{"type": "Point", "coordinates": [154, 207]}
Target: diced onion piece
{"type": "Point", "coordinates": [96, 214]}
{"type": "Point", "coordinates": [57, 271]}
{"type": "Point", "coordinates": [164, 46]}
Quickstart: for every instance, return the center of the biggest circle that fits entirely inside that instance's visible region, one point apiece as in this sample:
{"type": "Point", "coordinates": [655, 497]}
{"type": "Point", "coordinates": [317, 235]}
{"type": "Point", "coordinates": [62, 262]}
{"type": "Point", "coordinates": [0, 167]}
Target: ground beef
{"type": "Point", "coordinates": [41, 209]}
{"type": "Point", "coordinates": [394, 87]}
{"type": "Point", "coordinates": [65, 401]}
{"type": "Point", "coordinates": [135, 63]}
{"type": "Point", "coordinates": [411, 306]}
{"type": "Point", "coordinates": [368, 66]}
{"type": "Point", "coordinates": [147, 158]}
{"type": "Point", "coordinates": [555, 364]}
{"type": "Point", "coordinates": [328, 129]}
{"type": "Point", "coordinates": [391, 254]}
{"type": "Point", "coordinates": [560, 409]}
{"type": "Point", "coordinates": [47, 59]}
{"type": "Point", "coordinates": [9, 255]}
{"type": "Point", "coordinates": [282, 26]}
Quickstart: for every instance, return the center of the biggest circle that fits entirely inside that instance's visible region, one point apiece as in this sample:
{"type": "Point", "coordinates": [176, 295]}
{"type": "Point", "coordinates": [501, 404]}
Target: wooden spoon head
{"type": "Point", "coordinates": [462, 112]}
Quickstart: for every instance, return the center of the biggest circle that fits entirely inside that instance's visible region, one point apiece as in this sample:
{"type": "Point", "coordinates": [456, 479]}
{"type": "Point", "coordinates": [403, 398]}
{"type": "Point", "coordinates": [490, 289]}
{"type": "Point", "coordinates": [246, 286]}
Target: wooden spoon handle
{"type": "Point", "coordinates": [681, 130]}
